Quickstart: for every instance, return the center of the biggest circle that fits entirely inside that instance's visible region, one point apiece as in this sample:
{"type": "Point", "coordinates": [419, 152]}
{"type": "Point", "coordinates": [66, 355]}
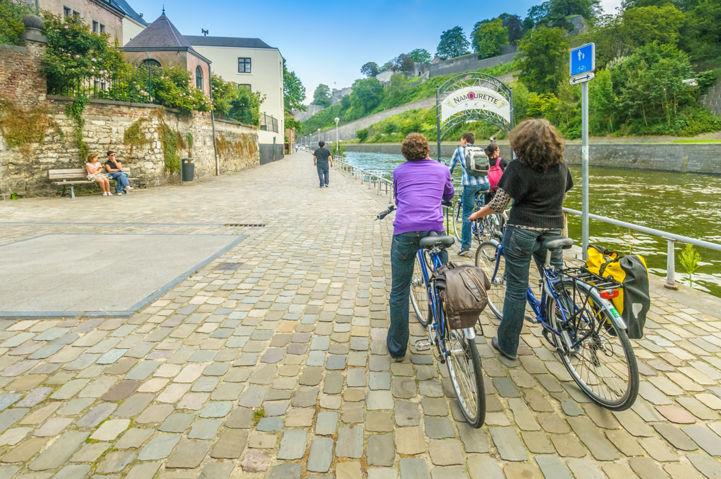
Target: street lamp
{"type": "Point", "coordinates": [318, 135]}
{"type": "Point", "coordinates": [336, 135]}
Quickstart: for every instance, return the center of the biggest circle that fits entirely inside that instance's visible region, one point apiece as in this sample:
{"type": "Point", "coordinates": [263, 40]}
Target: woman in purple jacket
{"type": "Point", "coordinates": [420, 185]}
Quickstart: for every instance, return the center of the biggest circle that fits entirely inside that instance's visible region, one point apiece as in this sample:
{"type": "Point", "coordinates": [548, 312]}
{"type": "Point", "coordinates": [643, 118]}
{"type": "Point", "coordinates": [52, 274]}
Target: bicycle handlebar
{"type": "Point", "coordinates": [386, 212]}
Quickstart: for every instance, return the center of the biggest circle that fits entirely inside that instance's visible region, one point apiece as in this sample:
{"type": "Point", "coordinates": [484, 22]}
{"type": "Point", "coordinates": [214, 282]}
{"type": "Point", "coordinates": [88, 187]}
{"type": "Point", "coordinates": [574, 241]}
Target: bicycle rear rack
{"type": "Point", "coordinates": [583, 274]}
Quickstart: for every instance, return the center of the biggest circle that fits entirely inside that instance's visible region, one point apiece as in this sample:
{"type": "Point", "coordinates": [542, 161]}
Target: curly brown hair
{"type": "Point", "coordinates": [537, 143]}
{"type": "Point", "coordinates": [415, 147]}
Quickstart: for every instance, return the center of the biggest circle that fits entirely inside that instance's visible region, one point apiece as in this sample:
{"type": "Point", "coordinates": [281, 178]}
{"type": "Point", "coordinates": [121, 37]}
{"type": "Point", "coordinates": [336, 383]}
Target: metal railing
{"type": "Point", "coordinates": [268, 123]}
{"type": "Point", "coordinates": [384, 185]}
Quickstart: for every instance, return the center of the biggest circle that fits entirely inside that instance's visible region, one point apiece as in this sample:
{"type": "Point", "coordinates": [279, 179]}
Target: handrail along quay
{"type": "Point", "coordinates": [384, 185]}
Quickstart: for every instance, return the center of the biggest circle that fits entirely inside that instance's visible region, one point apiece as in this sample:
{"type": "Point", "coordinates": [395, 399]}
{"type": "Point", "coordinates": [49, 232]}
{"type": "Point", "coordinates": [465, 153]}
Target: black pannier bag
{"type": "Point", "coordinates": [463, 292]}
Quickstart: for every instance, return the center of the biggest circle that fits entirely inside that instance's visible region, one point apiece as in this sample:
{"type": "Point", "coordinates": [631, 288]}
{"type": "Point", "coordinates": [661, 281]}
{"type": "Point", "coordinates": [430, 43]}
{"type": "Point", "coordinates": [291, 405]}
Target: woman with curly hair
{"type": "Point", "coordinates": [419, 186]}
{"type": "Point", "coordinates": [537, 182]}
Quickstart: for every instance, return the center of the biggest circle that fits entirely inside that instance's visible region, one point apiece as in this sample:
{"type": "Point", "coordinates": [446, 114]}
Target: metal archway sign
{"type": "Point", "coordinates": [471, 97]}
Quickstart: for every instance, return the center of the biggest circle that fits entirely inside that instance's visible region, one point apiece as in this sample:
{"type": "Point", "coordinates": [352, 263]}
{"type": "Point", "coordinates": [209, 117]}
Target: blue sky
{"type": "Point", "coordinates": [328, 41]}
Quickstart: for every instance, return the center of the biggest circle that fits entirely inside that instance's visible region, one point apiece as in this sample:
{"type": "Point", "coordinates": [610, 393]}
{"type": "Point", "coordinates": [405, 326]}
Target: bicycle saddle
{"type": "Point", "coordinates": [564, 243]}
{"type": "Point", "coordinates": [443, 241]}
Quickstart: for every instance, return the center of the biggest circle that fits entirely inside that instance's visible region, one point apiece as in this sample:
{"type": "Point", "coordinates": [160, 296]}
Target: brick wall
{"type": "Point", "coordinates": [21, 78]}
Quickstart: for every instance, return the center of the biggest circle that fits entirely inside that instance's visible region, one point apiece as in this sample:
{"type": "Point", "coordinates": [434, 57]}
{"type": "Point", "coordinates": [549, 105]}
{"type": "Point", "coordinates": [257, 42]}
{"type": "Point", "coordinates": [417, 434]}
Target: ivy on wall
{"type": "Point", "coordinates": [134, 137]}
{"type": "Point", "coordinates": [74, 110]}
{"type": "Point", "coordinates": [22, 129]}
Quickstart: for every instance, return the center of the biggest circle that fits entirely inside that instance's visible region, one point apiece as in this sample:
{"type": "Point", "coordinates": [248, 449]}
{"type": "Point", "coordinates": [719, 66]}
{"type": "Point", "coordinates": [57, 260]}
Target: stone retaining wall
{"type": "Point", "coordinates": [26, 174]}
{"type": "Point", "coordinates": [685, 158]}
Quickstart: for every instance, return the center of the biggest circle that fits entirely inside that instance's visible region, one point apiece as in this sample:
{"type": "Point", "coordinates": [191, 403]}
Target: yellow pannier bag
{"type": "Point", "coordinates": [633, 301]}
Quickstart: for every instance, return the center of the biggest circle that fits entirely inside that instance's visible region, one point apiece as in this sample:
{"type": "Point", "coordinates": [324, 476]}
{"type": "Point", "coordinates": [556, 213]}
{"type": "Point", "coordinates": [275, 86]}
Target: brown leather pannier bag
{"type": "Point", "coordinates": [463, 292]}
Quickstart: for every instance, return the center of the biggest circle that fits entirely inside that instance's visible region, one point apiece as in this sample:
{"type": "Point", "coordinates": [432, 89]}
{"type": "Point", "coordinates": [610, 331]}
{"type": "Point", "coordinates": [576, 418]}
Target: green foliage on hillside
{"type": "Point", "coordinates": [11, 22]}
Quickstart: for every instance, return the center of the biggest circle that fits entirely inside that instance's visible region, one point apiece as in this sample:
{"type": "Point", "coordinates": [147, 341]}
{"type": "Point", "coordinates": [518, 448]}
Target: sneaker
{"type": "Point", "coordinates": [110, 194]}
{"type": "Point", "coordinates": [105, 193]}
{"type": "Point", "coordinates": [129, 188]}
{"type": "Point", "coordinates": [494, 343]}
{"type": "Point", "coordinates": [464, 251]}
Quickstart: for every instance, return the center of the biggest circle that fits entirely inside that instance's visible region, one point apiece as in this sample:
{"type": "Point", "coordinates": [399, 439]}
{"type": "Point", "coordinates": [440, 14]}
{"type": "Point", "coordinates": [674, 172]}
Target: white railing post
{"type": "Point", "coordinates": [670, 265]}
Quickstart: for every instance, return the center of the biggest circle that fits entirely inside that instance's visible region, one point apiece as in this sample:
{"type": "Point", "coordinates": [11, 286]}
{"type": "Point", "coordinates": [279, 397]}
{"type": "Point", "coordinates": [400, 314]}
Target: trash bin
{"type": "Point", "coordinates": [188, 167]}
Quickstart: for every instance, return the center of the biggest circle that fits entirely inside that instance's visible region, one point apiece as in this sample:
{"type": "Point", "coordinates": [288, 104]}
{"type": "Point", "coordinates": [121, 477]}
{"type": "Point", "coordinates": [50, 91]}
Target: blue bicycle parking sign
{"type": "Point", "coordinates": [583, 59]}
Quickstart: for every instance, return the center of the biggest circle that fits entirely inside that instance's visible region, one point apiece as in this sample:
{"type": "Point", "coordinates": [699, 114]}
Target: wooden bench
{"type": "Point", "coordinates": [69, 177]}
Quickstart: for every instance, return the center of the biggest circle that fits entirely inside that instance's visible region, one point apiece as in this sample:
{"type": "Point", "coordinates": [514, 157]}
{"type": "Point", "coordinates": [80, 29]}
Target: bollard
{"type": "Point", "coordinates": [670, 266]}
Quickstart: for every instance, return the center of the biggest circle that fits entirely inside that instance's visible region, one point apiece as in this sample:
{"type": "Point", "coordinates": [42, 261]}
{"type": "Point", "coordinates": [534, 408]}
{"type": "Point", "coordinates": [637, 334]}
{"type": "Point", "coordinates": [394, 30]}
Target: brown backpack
{"type": "Point", "coordinates": [463, 292]}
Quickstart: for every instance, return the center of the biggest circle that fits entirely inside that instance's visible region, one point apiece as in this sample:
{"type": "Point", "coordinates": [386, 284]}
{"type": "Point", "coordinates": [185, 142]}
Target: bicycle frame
{"type": "Point", "coordinates": [438, 321]}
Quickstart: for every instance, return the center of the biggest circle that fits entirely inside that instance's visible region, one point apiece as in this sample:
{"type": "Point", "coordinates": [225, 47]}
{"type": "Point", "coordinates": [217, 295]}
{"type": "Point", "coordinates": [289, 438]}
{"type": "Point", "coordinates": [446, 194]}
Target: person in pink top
{"type": "Point", "coordinates": [95, 173]}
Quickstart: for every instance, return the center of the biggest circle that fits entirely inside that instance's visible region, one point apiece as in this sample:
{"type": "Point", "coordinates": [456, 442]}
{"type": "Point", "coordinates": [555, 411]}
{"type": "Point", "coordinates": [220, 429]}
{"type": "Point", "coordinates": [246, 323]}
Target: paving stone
{"type": "Point", "coordinates": [144, 470]}
{"type": "Point", "coordinates": [473, 439]}
{"type": "Point", "coordinates": [379, 400]}
{"type": "Point", "coordinates": [350, 441]}
{"type": "Point", "coordinates": [326, 423]}
{"type": "Point", "coordinates": [380, 450]}
{"type": "Point", "coordinates": [333, 383]}
{"type": "Point", "coordinates": [252, 396]}
{"type": "Point", "coordinates": [111, 356]}
{"type": "Point", "coordinates": [675, 437]}
{"type": "Point", "coordinates": [216, 409]}
{"type": "Point", "coordinates": [647, 468]}
{"type": "Point", "coordinates": [706, 439]}
{"type": "Point", "coordinates": [509, 445]}
{"type": "Point", "coordinates": [133, 405]}
{"type": "Point", "coordinates": [407, 413]}
{"type": "Point", "coordinates": [410, 440]}
{"type": "Point", "coordinates": [551, 466]}
{"type": "Point", "coordinates": [115, 461]}
{"type": "Point", "coordinates": [438, 427]}
{"type": "Point", "coordinates": [59, 452]}
{"type": "Point", "coordinates": [109, 430]}
{"type": "Point", "coordinates": [305, 397]}
{"type": "Point", "coordinates": [230, 445]}
{"type": "Point", "coordinates": [380, 380]}
{"type": "Point", "coordinates": [286, 470]}
{"type": "Point", "coordinates": [188, 454]}
{"type": "Point", "coordinates": [707, 465]}
{"type": "Point", "coordinates": [24, 451]}
{"type": "Point", "coordinates": [335, 362]}
{"type": "Point", "coordinates": [8, 399]}
{"type": "Point", "coordinates": [121, 390]}
{"type": "Point", "coordinates": [292, 444]}
{"type": "Point", "coordinates": [96, 415]}
{"type": "Point", "coordinates": [240, 418]}
{"type": "Point", "coordinates": [205, 429]}
{"type": "Point", "coordinates": [593, 439]}
{"type": "Point", "coordinates": [90, 452]}
{"type": "Point", "coordinates": [159, 448]}
{"type": "Point", "coordinates": [73, 472]}
{"type": "Point", "coordinates": [413, 468]}
{"type": "Point", "coordinates": [14, 436]}
{"type": "Point", "coordinates": [676, 414]}
{"type": "Point", "coordinates": [321, 454]}
{"type": "Point", "coordinates": [133, 438]}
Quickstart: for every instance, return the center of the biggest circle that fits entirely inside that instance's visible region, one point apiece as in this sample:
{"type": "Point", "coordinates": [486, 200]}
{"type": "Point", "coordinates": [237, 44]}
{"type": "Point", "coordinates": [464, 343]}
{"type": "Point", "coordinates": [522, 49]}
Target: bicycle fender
{"type": "Point", "coordinates": [614, 312]}
{"type": "Point", "coordinates": [469, 333]}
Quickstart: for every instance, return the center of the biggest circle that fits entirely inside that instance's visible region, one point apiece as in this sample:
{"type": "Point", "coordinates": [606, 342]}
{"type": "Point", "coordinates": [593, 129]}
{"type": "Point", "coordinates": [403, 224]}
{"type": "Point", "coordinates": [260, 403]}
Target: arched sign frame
{"type": "Point", "coordinates": [465, 81]}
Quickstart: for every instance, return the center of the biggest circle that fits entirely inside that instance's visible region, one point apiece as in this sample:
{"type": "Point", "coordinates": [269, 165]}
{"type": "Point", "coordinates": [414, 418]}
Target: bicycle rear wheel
{"type": "Point", "coordinates": [455, 220]}
{"type": "Point", "coordinates": [464, 367]}
{"type": "Point", "coordinates": [600, 360]}
{"type": "Point", "coordinates": [419, 293]}
{"type": "Point", "coordinates": [494, 264]}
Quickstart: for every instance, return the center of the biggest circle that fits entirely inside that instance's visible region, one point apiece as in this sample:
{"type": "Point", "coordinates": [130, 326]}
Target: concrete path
{"type": "Point", "coordinates": [270, 361]}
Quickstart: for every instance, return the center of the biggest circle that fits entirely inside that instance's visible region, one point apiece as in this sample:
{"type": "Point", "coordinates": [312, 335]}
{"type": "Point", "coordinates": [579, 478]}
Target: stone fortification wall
{"type": "Point", "coordinates": [25, 173]}
{"type": "Point", "coordinates": [463, 64]}
{"type": "Point", "coordinates": [685, 158]}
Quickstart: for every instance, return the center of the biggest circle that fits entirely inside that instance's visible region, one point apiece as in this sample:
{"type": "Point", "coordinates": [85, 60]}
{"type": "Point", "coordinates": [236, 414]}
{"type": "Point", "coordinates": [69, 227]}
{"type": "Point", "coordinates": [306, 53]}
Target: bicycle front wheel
{"type": "Point", "coordinates": [600, 358]}
{"type": "Point", "coordinates": [494, 264]}
{"type": "Point", "coordinates": [455, 220]}
{"type": "Point", "coordinates": [464, 367]}
{"type": "Point", "coordinates": [419, 293]}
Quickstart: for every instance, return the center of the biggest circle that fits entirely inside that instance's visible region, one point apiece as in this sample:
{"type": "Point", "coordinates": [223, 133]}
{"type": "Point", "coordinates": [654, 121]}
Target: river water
{"type": "Point", "coordinates": [682, 203]}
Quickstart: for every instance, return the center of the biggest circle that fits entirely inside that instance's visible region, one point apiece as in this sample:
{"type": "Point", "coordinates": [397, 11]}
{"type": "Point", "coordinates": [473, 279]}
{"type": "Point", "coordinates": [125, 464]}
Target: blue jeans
{"type": "Point", "coordinates": [519, 245]}
{"type": "Point", "coordinates": [469, 200]}
{"type": "Point", "coordinates": [121, 179]}
{"type": "Point", "coordinates": [323, 175]}
{"type": "Point", "coordinates": [403, 257]}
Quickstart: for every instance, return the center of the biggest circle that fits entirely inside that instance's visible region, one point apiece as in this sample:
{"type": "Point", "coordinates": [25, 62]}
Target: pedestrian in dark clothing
{"type": "Point", "coordinates": [321, 160]}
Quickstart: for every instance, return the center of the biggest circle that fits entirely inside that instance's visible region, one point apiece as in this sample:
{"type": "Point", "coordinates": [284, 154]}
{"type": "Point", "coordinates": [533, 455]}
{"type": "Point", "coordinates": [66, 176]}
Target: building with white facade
{"type": "Point", "coordinates": [252, 63]}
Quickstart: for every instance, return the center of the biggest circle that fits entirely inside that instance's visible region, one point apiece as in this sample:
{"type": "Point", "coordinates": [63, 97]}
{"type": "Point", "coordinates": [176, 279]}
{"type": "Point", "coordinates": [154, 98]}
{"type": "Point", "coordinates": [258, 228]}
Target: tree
{"type": "Point", "coordinates": [293, 90]}
{"type": "Point", "coordinates": [370, 69]}
{"type": "Point", "coordinates": [365, 95]}
{"type": "Point", "coordinates": [11, 22]}
{"type": "Point", "coordinates": [387, 66]}
{"type": "Point", "coordinates": [489, 38]}
{"type": "Point", "coordinates": [645, 25]}
{"type": "Point", "coordinates": [514, 26]}
{"type": "Point", "coordinates": [420, 55]}
{"type": "Point", "coordinates": [321, 96]}
{"type": "Point", "coordinates": [453, 44]}
{"type": "Point", "coordinates": [235, 102]}
{"type": "Point", "coordinates": [543, 52]}
{"type": "Point", "coordinates": [701, 32]}
{"type": "Point", "coordinates": [403, 63]}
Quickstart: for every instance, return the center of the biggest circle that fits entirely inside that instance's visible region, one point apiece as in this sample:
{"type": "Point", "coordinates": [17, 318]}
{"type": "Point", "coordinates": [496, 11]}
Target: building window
{"type": "Point", "coordinates": [76, 14]}
{"type": "Point", "coordinates": [102, 28]}
{"type": "Point", "coordinates": [245, 85]}
{"type": "Point", "coordinates": [95, 26]}
{"type": "Point", "coordinates": [243, 65]}
{"type": "Point", "coordinates": [199, 77]}
{"type": "Point", "coordinates": [66, 12]}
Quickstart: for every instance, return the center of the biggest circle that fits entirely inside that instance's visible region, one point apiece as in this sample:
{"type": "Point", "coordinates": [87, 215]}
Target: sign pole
{"type": "Point", "coordinates": [584, 162]}
{"type": "Point", "coordinates": [438, 125]}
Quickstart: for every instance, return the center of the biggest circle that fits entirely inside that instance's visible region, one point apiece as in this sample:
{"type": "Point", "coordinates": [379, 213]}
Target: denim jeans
{"type": "Point", "coordinates": [519, 245]}
{"type": "Point", "coordinates": [323, 175]}
{"type": "Point", "coordinates": [469, 201]}
{"type": "Point", "coordinates": [403, 257]}
{"type": "Point", "coordinates": [121, 179]}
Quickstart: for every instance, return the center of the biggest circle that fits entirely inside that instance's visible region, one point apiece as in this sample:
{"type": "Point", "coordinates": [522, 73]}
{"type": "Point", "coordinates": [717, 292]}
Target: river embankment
{"type": "Point", "coordinates": [674, 157]}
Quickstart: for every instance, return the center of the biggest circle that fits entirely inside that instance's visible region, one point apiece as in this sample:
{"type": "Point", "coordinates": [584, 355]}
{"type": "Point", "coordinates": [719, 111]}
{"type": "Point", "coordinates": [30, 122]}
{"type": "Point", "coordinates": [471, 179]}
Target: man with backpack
{"type": "Point", "coordinates": [474, 165]}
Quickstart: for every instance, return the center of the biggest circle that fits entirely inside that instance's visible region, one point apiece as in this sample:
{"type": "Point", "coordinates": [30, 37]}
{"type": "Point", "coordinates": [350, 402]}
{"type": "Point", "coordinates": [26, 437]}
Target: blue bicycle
{"type": "Point", "coordinates": [578, 321]}
{"type": "Point", "coordinates": [454, 347]}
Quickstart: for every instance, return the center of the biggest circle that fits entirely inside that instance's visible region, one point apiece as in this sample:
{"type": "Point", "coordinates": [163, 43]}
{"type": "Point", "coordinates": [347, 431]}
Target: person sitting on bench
{"type": "Point", "coordinates": [95, 173]}
{"type": "Point", "coordinates": [115, 171]}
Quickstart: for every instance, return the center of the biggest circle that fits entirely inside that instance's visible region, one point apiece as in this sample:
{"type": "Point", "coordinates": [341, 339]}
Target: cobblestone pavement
{"type": "Point", "coordinates": [270, 361]}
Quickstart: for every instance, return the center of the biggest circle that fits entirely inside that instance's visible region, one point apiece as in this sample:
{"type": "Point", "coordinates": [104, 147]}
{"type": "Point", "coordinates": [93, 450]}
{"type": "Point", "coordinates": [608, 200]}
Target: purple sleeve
{"type": "Point", "coordinates": [448, 187]}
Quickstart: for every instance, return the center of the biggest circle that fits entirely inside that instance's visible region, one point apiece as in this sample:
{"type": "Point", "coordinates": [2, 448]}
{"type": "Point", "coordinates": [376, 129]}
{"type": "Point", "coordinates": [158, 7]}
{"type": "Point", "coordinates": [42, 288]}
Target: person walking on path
{"type": "Point", "coordinates": [419, 186]}
{"type": "Point", "coordinates": [321, 160]}
{"type": "Point", "coordinates": [472, 185]}
{"type": "Point", "coordinates": [115, 171]}
{"type": "Point", "coordinates": [537, 182]}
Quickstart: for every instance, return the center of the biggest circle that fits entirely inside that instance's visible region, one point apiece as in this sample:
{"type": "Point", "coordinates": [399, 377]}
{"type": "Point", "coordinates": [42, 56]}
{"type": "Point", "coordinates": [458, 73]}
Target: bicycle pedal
{"type": "Point", "coordinates": [422, 345]}
{"type": "Point", "coordinates": [530, 319]}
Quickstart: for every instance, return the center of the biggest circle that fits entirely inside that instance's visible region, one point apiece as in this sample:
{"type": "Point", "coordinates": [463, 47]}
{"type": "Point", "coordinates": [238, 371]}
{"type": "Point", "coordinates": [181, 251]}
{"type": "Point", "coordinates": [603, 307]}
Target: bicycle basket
{"type": "Point", "coordinates": [463, 292]}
